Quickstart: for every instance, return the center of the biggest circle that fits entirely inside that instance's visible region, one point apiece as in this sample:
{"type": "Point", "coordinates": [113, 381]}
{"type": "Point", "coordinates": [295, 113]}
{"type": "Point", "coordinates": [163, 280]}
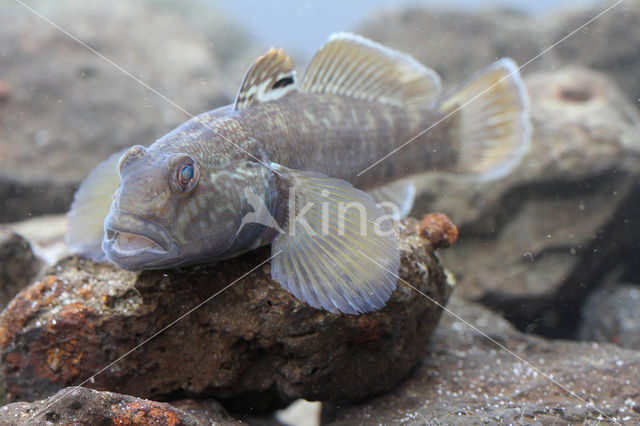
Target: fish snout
{"type": "Point", "coordinates": [134, 242]}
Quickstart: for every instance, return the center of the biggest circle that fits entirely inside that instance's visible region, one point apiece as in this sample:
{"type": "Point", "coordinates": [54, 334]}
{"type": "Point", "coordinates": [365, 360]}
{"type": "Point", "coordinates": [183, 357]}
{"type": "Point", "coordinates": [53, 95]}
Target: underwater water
{"type": "Point", "coordinates": [515, 274]}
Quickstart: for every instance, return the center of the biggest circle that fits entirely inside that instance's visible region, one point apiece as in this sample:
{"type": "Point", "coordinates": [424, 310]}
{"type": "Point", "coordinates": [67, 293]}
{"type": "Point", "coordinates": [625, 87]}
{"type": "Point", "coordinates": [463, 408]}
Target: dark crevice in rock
{"type": "Point", "coordinates": [558, 315]}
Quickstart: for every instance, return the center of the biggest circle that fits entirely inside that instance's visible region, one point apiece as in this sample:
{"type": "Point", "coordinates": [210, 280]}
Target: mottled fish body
{"type": "Point", "coordinates": [330, 134]}
{"type": "Point", "coordinates": [282, 166]}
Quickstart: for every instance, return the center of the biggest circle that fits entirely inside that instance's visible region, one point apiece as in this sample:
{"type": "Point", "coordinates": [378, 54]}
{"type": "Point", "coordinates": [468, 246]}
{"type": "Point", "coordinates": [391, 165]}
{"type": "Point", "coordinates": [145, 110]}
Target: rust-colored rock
{"type": "Point", "coordinates": [438, 228]}
{"type": "Point", "coordinates": [252, 338]}
{"type": "Point", "coordinates": [82, 406]}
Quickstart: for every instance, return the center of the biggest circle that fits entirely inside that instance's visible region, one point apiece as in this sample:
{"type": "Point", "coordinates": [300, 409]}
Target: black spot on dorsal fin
{"type": "Point", "coordinates": [270, 77]}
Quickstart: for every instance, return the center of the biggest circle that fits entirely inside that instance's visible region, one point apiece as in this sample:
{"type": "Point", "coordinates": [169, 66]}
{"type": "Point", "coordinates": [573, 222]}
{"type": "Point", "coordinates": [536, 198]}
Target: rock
{"type": "Point", "coordinates": [45, 235]}
{"type": "Point", "coordinates": [84, 406]}
{"type": "Point", "coordinates": [252, 344]}
{"type": "Point", "coordinates": [18, 265]}
{"type": "Point", "coordinates": [456, 43]}
{"type": "Point", "coordinates": [525, 239]}
{"type": "Point", "coordinates": [448, 41]}
{"type": "Point", "coordinates": [467, 379]}
{"type": "Point", "coordinates": [610, 44]}
{"type": "Point", "coordinates": [68, 109]}
{"type": "Point", "coordinates": [612, 315]}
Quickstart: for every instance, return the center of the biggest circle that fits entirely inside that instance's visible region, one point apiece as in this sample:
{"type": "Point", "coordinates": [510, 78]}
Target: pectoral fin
{"type": "Point", "coordinates": [91, 204]}
{"type": "Point", "coordinates": [338, 251]}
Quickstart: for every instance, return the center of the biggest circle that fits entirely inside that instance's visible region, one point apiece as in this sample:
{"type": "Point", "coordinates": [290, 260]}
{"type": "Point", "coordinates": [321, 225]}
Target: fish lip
{"type": "Point", "coordinates": [118, 222]}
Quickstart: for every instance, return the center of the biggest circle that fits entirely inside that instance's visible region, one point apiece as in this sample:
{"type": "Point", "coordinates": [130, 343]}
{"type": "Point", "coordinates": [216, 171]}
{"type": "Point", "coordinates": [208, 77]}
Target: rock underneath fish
{"type": "Point", "coordinates": [251, 342]}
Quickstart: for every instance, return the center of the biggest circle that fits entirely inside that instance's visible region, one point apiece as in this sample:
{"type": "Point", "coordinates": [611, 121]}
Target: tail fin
{"type": "Point", "coordinates": [491, 113]}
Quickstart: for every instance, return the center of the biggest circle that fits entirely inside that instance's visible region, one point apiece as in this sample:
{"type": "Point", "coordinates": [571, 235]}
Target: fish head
{"type": "Point", "coordinates": [166, 214]}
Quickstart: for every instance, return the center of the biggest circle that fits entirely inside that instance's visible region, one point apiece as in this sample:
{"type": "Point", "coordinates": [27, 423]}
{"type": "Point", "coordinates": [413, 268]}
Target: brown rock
{"type": "Point", "coordinates": [69, 109]}
{"type": "Point", "coordinates": [82, 406]}
{"type": "Point", "coordinates": [253, 338]}
{"type": "Point", "coordinates": [467, 379]}
{"type": "Point", "coordinates": [18, 265]}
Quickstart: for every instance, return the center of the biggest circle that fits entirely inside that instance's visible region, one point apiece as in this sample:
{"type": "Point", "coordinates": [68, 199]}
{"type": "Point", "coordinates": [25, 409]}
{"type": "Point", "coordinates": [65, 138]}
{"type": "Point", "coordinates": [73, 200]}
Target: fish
{"type": "Point", "coordinates": [283, 165]}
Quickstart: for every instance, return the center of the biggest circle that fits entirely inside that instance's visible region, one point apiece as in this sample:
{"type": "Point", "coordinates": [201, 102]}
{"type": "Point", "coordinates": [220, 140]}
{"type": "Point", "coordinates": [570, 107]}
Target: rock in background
{"type": "Point", "coordinates": [534, 245]}
{"type": "Point", "coordinates": [63, 109]}
{"type": "Point", "coordinates": [610, 44]}
{"type": "Point", "coordinates": [458, 43]}
{"type": "Point", "coordinates": [253, 344]}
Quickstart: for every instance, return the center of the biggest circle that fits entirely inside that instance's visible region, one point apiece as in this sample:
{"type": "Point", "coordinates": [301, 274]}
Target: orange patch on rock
{"type": "Point", "coordinates": [438, 229]}
{"type": "Point", "coordinates": [137, 413]}
{"type": "Point", "coordinates": [66, 355]}
{"type": "Point", "coordinates": [24, 307]}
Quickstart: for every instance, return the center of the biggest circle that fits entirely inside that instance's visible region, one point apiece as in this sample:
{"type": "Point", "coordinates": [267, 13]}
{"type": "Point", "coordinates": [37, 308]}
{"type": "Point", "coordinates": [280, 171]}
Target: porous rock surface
{"type": "Point", "coordinates": [82, 406]}
{"type": "Point", "coordinates": [467, 379]}
{"type": "Point", "coordinates": [250, 338]}
{"type": "Point", "coordinates": [63, 109]}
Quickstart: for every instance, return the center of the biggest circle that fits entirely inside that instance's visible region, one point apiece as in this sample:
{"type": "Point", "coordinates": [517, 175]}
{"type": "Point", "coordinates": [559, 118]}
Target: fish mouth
{"type": "Point", "coordinates": [133, 242]}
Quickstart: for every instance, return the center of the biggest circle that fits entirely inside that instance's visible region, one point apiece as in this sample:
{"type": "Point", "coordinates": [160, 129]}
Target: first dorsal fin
{"type": "Point", "coordinates": [351, 65]}
{"type": "Point", "coordinates": [270, 77]}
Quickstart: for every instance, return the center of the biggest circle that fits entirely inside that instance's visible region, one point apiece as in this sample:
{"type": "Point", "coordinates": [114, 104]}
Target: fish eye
{"type": "Point", "coordinates": [184, 176]}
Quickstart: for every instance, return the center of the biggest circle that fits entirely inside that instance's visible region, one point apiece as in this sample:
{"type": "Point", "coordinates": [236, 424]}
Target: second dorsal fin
{"type": "Point", "coordinates": [270, 77]}
{"type": "Point", "coordinates": [351, 65]}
